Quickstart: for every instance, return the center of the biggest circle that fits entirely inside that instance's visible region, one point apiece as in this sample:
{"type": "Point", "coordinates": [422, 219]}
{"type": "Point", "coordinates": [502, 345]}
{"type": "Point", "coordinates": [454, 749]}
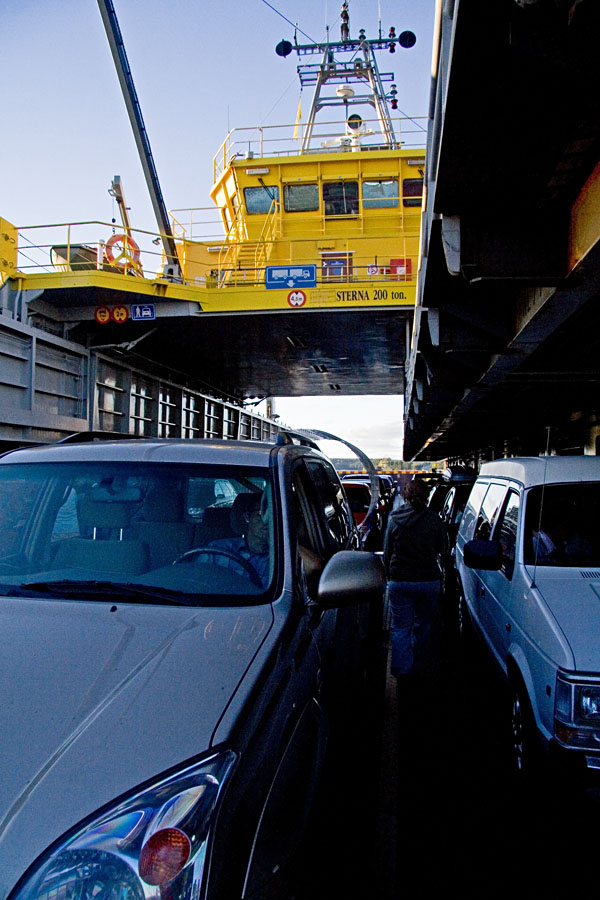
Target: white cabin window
{"type": "Point", "coordinates": [340, 198]}
{"type": "Point", "coordinates": [380, 194]}
{"type": "Point", "coordinates": [260, 199]}
{"type": "Point", "coordinates": [301, 197]}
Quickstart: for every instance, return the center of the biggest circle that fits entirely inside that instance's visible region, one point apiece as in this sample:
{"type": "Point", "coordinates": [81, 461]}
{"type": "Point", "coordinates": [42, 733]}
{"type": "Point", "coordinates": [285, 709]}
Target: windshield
{"type": "Point", "coordinates": [561, 526]}
{"type": "Point", "coordinates": [200, 533]}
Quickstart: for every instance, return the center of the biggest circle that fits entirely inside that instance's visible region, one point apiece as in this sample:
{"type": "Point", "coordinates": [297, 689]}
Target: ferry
{"type": "Point", "coordinates": [315, 213]}
{"type": "Point", "coordinates": [319, 215]}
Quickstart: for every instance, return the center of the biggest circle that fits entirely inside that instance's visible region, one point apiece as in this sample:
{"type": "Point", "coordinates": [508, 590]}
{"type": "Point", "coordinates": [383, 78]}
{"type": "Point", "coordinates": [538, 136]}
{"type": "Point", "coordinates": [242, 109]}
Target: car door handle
{"type": "Point", "coordinates": [508, 626]}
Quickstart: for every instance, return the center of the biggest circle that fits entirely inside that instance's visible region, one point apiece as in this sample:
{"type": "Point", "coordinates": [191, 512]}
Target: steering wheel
{"type": "Point", "coordinates": [245, 564]}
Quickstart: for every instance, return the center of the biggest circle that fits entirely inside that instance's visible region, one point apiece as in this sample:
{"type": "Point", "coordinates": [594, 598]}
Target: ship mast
{"type": "Point", "coordinates": [360, 69]}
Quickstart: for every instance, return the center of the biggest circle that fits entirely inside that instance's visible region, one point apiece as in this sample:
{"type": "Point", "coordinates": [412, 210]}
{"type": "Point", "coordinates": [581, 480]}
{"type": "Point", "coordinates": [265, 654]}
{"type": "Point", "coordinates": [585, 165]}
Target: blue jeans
{"type": "Point", "coordinates": [414, 608]}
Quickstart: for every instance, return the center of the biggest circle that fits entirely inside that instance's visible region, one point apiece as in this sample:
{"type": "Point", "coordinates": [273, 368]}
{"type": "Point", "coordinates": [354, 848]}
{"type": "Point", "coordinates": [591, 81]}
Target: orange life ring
{"type": "Point", "coordinates": [128, 252]}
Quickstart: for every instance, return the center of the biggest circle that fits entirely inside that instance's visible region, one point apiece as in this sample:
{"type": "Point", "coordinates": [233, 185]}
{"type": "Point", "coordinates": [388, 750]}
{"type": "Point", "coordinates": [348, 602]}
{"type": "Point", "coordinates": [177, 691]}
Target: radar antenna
{"type": "Point", "coordinates": [361, 69]}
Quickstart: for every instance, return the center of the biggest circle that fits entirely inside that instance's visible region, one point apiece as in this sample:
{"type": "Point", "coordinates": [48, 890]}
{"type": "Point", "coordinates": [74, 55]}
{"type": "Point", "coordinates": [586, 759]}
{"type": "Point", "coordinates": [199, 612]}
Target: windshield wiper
{"type": "Point", "coordinates": [134, 593]}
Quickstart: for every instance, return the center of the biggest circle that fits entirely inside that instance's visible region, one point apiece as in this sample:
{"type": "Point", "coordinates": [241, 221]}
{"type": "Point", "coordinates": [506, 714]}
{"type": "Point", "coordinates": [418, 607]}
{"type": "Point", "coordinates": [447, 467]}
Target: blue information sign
{"type": "Point", "coordinates": [146, 311]}
{"type": "Point", "coordinates": [286, 277]}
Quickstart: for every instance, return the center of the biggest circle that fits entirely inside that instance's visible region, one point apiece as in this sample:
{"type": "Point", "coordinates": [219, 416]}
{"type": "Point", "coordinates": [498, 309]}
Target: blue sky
{"type": "Point", "coordinates": [199, 68]}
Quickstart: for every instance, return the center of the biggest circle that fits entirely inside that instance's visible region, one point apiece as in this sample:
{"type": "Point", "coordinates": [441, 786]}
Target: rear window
{"type": "Point", "coordinates": [359, 497]}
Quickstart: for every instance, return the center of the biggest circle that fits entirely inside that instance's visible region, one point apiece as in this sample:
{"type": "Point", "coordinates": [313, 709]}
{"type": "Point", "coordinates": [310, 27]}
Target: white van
{"type": "Point", "coordinates": [528, 564]}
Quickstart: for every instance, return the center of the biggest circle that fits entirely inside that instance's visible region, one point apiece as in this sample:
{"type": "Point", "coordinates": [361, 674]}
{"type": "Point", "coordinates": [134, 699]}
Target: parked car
{"type": "Point", "coordinates": [449, 497]}
{"type": "Point", "coordinates": [370, 522]}
{"type": "Point", "coordinates": [451, 515]}
{"type": "Point", "coordinates": [182, 622]}
{"type": "Point", "coordinates": [451, 476]}
{"type": "Point", "coordinates": [528, 563]}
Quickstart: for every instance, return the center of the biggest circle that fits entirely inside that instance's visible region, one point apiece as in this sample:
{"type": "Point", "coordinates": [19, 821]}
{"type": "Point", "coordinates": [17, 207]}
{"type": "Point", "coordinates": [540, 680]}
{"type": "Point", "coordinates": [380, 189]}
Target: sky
{"type": "Point", "coordinates": [200, 67]}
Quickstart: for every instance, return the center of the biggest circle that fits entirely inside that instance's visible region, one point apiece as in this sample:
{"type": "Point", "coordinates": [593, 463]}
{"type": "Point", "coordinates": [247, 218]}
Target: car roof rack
{"type": "Point", "coordinates": [86, 437]}
{"type": "Point", "coordinates": [286, 436]}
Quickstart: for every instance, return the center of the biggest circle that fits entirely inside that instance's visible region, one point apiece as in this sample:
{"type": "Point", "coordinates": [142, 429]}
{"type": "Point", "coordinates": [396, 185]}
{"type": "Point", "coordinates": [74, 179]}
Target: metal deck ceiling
{"type": "Point", "coordinates": [506, 338]}
{"type": "Point", "coordinates": [325, 352]}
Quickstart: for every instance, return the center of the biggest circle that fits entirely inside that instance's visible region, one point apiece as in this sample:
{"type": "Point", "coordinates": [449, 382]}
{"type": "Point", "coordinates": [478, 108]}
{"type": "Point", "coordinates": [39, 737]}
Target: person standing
{"type": "Point", "coordinates": [412, 543]}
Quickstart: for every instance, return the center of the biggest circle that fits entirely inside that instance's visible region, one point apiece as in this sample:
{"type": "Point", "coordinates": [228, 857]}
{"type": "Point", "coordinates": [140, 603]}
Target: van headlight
{"type": "Point", "coordinates": [577, 712]}
{"type": "Point", "coordinates": [153, 841]}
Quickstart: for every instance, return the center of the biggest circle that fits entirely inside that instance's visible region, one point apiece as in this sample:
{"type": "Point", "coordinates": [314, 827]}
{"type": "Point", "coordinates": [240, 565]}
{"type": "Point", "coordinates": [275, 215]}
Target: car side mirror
{"type": "Point", "coordinates": [485, 555]}
{"type": "Point", "coordinates": [351, 577]}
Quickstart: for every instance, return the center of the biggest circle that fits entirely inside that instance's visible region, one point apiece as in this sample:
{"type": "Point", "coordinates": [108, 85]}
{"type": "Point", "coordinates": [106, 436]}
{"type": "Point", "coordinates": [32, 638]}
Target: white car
{"type": "Point", "coordinates": [528, 564]}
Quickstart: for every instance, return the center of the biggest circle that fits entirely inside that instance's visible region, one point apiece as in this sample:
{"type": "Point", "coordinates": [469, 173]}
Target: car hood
{"type": "Point", "coordinates": [573, 597]}
{"type": "Point", "coordinates": [96, 698]}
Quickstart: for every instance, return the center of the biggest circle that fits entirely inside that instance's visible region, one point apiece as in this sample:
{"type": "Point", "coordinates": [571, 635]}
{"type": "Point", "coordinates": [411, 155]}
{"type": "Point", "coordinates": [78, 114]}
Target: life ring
{"type": "Point", "coordinates": [127, 251]}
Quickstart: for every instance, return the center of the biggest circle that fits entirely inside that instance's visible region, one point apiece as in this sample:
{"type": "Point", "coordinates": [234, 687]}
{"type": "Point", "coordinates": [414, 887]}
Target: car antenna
{"type": "Point", "coordinates": [537, 545]}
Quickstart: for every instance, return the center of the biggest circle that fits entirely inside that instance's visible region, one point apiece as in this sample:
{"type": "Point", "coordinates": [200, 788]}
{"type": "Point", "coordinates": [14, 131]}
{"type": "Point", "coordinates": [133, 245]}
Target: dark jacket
{"type": "Point", "coordinates": [412, 542]}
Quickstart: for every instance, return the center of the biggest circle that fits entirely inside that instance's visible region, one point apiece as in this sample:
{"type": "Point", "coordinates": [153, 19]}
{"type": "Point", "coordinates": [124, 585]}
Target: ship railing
{"type": "Point", "coordinates": [255, 142]}
{"type": "Point", "coordinates": [337, 268]}
{"type": "Point", "coordinates": [198, 223]}
{"type": "Point", "coordinates": [80, 246]}
{"type": "Point", "coordinates": [235, 239]}
{"type": "Point", "coordinates": [268, 234]}
{"type": "Point", "coordinates": [88, 245]}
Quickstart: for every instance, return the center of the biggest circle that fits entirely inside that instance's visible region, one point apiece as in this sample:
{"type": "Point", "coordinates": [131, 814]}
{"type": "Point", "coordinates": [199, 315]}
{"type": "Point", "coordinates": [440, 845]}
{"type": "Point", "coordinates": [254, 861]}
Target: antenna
{"type": "Point", "coordinates": [361, 69]}
{"type": "Point", "coordinates": [537, 546]}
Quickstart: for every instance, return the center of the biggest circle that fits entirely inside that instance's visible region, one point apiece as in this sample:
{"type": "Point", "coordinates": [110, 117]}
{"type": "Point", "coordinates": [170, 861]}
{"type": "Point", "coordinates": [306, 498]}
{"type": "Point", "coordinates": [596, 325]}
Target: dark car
{"type": "Point", "coordinates": [451, 515]}
{"type": "Point", "coordinates": [448, 497]}
{"type": "Point", "coordinates": [371, 524]}
{"type": "Point", "coordinates": [182, 623]}
{"type": "Point", "coordinates": [450, 476]}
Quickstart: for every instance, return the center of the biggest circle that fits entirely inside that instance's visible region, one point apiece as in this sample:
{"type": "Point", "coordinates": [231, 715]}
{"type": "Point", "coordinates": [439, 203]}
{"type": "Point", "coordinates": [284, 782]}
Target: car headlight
{"type": "Point", "coordinates": [577, 712]}
{"type": "Point", "coordinates": [154, 840]}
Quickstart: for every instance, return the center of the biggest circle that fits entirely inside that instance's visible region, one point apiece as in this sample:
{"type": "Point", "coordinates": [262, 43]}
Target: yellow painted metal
{"type": "Point", "coordinates": [585, 219]}
{"type": "Point", "coordinates": [250, 298]}
{"type": "Point", "coordinates": [110, 281]}
{"type": "Point", "coordinates": [8, 250]}
{"type": "Point", "coordinates": [367, 256]}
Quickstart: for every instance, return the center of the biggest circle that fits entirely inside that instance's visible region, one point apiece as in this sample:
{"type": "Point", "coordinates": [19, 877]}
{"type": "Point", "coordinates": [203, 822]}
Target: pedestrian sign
{"type": "Point", "coordinates": [143, 312]}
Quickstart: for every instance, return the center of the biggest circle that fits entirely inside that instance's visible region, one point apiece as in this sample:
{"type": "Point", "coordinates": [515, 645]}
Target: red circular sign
{"type": "Point", "coordinates": [120, 313]}
{"type": "Point", "coordinates": [102, 315]}
{"type": "Point", "coordinates": [296, 298]}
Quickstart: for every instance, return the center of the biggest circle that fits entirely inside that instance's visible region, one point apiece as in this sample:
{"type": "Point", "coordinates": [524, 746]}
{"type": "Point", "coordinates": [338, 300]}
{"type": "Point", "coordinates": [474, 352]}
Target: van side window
{"type": "Point", "coordinates": [489, 512]}
{"type": "Point", "coordinates": [506, 532]}
{"type": "Point", "coordinates": [472, 508]}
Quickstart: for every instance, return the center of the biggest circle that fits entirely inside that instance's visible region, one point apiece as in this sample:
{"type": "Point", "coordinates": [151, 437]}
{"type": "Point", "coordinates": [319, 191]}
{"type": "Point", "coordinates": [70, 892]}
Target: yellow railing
{"type": "Point", "coordinates": [86, 245]}
{"type": "Point", "coordinates": [80, 246]}
{"type": "Point", "coordinates": [267, 236]}
{"type": "Point", "coordinates": [196, 227]}
{"type": "Point", "coordinates": [278, 140]}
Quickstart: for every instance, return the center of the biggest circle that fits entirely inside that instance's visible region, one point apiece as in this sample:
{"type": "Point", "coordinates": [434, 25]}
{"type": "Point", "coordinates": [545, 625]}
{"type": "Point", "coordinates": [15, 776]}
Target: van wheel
{"type": "Point", "coordinates": [525, 756]}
